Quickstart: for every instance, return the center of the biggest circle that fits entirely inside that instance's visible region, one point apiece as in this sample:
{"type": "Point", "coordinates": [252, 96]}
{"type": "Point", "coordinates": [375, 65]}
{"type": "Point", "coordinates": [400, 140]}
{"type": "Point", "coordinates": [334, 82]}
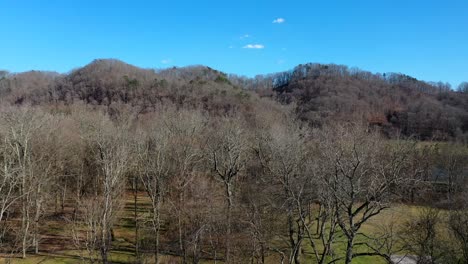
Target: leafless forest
{"type": "Point", "coordinates": [191, 165]}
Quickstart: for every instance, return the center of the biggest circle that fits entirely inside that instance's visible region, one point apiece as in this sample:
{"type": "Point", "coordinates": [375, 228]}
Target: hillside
{"type": "Point", "coordinates": [396, 102]}
{"type": "Point", "coordinates": [109, 83]}
{"type": "Point", "coordinates": [320, 93]}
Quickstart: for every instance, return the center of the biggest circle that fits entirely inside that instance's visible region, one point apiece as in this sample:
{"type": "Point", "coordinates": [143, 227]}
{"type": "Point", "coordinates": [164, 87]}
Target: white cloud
{"type": "Point", "coordinates": [166, 61]}
{"type": "Point", "coordinates": [279, 20]}
{"type": "Point", "coordinates": [245, 36]}
{"type": "Point", "coordinates": [279, 62]}
{"type": "Point", "coordinates": [231, 47]}
{"type": "Point", "coordinates": [254, 46]}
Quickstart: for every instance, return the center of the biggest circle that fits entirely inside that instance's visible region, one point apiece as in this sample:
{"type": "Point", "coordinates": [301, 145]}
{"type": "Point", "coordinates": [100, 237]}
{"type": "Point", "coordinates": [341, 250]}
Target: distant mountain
{"type": "Point", "coordinates": [319, 93]}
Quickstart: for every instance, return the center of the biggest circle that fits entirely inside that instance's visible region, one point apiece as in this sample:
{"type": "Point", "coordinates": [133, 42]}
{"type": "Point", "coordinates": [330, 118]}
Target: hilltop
{"type": "Point", "coordinates": [397, 103]}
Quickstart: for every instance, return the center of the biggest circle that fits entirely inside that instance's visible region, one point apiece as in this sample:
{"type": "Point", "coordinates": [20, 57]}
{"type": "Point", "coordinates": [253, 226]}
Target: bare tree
{"type": "Point", "coordinates": [86, 229]}
{"type": "Point", "coordinates": [9, 185]}
{"type": "Point", "coordinates": [227, 152]}
{"type": "Point", "coordinates": [154, 167]}
{"type": "Point", "coordinates": [110, 148]}
{"type": "Point", "coordinates": [364, 173]}
{"type": "Point", "coordinates": [452, 162]}
{"type": "Point", "coordinates": [284, 154]}
{"type": "Point", "coordinates": [47, 168]}
{"type": "Point", "coordinates": [421, 235]}
{"type": "Point", "coordinates": [186, 130]}
{"type": "Point", "coordinates": [458, 225]}
{"type": "Point", "coordinates": [169, 155]}
{"type": "Point", "coordinates": [463, 87]}
{"type": "Point", "coordinates": [26, 138]}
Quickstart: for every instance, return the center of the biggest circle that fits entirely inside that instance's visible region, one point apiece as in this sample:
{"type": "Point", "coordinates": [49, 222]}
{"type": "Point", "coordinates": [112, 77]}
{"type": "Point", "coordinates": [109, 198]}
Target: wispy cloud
{"type": "Point", "coordinates": [254, 46]}
{"type": "Point", "coordinates": [279, 20]}
{"type": "Point", "coordinates": [245, 36]}
{"type": "Point", "coordinates": [231, 47]}
{"type": "Point", "coordinates": [166, 61]}
{"type": "Point", "coordinates": [279, 62]}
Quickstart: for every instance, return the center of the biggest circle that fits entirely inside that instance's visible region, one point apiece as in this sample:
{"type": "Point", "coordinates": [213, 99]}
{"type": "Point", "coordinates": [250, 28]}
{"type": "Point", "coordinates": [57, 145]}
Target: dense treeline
{"type": "Point", "coordinates": [262, 187]}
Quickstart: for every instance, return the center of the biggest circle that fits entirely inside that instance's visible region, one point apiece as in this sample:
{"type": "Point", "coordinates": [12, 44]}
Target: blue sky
{"type": "Point", "coordinates": [426, 39]}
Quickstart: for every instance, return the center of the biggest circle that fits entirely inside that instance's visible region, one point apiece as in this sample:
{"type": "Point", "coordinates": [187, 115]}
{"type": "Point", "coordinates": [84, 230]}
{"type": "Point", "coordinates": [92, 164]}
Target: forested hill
{"type": "Point", "coordinates": [115, 85]}
{"type": "Point", "coordinates": [395, 102]}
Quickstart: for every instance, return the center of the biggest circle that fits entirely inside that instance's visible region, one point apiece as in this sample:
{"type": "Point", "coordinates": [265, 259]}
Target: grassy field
{"type": "Point", "coordinates": [398, 214]}
{"type": "Point", "coordinates": [56, 247]}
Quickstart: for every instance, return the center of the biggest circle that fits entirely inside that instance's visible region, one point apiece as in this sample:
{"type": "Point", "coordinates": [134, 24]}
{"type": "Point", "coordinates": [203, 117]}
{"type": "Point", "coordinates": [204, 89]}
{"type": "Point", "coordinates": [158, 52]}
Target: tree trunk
{"type": "Point", "coordinates": [36, 222]}
{"type": "Point", "coordinates": [64, 193]}
{"type": "Point", "coordinates": [181, 229]}
{"type": "Point", "coordinates": [135, 217]}
{"type": "Point", "coordinates": [262, 252]}
{"type": "Point", "coordinates": [349, 250]}
{"type": "Point", "coordinates": [295, 244]}
{"type": "Point", "coordinates": [104, 254]}
{"type": "Point", "coordinates": [24, 244]}
{"type": "Point", "coordinates": [228, 221]}
{"type": "Point", "coordinates": [25, 224]}
{"type": "Point", "coordinates": [300, 231]}
{"type": "Point", "coordinates": [157, 227]}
